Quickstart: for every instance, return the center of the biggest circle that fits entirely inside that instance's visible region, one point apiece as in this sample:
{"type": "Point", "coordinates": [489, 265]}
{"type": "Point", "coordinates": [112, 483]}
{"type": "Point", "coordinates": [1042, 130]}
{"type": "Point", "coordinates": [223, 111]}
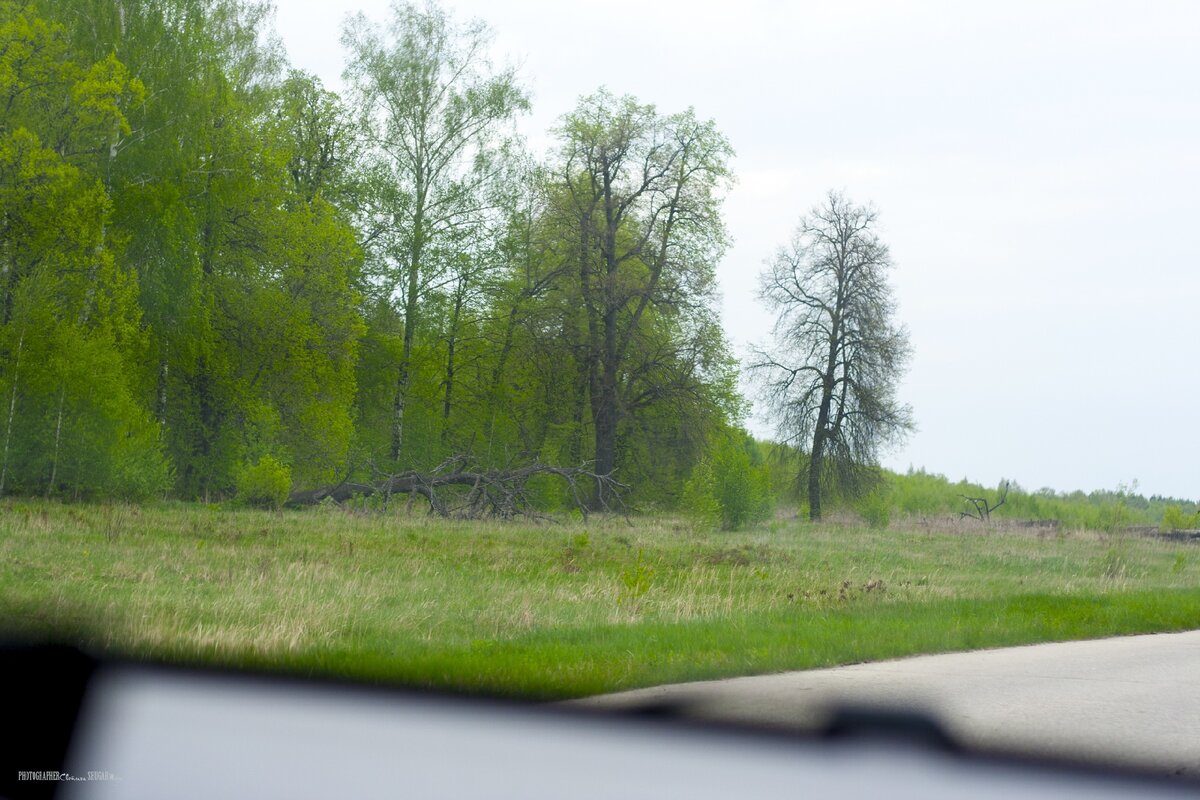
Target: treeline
{"type": "Point", "coordinates": [214, 268]}
{"type": "Point", "coordinates": [741, 480]}
{"type": "Point", "coordinates": [918, 493]}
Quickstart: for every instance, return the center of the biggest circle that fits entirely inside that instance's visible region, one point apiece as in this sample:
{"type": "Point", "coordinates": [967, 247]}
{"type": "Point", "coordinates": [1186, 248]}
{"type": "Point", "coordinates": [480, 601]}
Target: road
{"type": "Point", "coordinates": [1132, 700]}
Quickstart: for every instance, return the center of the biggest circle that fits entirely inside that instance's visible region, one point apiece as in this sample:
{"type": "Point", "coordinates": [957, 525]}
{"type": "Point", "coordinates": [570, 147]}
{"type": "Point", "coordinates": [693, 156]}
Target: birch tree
{"type": "Point", "coordinates": [433, 111]}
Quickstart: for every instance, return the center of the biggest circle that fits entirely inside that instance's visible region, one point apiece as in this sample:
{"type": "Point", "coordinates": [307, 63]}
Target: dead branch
{"type": "Point", "coordinates": [456, 489]}
{"type": "Point", "coordinates": [983, 509]}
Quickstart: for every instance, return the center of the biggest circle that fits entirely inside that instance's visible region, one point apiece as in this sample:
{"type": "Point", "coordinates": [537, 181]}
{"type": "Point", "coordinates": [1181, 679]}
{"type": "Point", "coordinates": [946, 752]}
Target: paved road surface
{"type": "Point", "coordinates": [1132, 700]}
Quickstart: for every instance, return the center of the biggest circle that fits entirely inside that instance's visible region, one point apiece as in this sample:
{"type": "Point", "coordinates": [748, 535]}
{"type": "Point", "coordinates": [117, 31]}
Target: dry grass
{"type": "Point", "coordinates": [596, 604]}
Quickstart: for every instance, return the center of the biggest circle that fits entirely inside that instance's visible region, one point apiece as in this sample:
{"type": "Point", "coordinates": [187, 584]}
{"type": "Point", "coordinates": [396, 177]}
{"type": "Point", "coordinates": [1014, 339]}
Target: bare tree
{"type": "Point", "coordinates": [830, 378]}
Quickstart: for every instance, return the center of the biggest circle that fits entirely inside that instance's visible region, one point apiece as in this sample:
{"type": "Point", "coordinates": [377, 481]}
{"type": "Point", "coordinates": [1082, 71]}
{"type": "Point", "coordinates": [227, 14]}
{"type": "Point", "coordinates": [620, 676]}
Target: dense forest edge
{"type": "Point", "coordinates": [222, 282]}
{"type": "Point", "coordinates": [219, 277]}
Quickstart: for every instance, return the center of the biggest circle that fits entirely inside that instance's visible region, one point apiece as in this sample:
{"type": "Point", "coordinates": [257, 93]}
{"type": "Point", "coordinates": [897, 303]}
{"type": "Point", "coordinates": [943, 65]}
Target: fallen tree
{"type": "Point", "coordinates": [457, 488]}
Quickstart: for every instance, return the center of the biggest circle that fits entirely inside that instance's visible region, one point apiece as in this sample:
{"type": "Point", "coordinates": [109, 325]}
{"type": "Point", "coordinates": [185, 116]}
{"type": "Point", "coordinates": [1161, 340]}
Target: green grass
{"type": "Point", "coordinates": [553, 611]}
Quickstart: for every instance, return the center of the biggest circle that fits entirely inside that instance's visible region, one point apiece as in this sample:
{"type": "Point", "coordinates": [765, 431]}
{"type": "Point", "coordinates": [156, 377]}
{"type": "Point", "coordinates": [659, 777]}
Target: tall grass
{"type": "Point", "coordinates": [559, 610]}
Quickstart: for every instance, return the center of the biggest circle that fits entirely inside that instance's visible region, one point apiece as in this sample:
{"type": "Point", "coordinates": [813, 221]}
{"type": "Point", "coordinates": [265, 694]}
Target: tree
{"type": "Point", "coordinates": [641, 195]}
{"type": "Point", "coordinates": [432, 110]}
{"type": "Point", "coordinates": [732, 485]}
{"type": "Point", "coordinates": [830, 377]}
{"type": "Point", "coordinates": [222, 179]}
{"type": "Point", "coordinates": [70, 330]}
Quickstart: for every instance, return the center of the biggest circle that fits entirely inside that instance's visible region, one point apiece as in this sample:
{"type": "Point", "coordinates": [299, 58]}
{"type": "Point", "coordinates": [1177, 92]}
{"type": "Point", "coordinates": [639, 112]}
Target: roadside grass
{"type": "Point", "coordinates": [561, 610]}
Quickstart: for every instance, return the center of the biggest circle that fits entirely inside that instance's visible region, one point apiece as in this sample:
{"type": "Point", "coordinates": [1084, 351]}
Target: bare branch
{"type": "Point", "coordinates": [983, 509]}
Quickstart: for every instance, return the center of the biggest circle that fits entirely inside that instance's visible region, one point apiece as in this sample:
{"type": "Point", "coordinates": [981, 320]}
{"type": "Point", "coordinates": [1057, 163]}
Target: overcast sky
{"type": "Point", "coordinates": [1036, 166]}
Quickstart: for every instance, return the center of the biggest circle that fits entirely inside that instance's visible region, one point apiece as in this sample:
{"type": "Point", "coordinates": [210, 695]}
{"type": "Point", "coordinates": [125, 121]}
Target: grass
{"type": "Point", "coordinates": [554, 611]}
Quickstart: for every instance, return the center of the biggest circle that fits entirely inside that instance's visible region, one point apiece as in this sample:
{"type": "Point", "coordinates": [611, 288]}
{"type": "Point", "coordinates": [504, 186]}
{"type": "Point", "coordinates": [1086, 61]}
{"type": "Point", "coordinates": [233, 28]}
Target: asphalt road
{"type": "Point", "coordinates": [1131, 701]}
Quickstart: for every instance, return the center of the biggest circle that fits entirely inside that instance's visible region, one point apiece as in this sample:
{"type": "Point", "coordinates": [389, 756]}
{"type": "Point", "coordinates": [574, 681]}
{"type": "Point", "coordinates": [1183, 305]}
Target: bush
{"type": "Point", "coordinates": [265, 484]}
{"type": "Point", "coordinates": [728, 489]}
{"type": "Point", "coordinates": [1114, 516]}
{"type": "Point", "coordinates": [875, 510]}
{"type": "Point", "coordinates": [1174, 519]}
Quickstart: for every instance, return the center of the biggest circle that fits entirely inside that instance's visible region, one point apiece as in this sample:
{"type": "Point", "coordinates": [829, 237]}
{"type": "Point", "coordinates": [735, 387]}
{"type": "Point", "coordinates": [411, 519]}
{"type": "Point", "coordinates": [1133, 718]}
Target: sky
{"type": "Point", "coordinates": [1035, 165]}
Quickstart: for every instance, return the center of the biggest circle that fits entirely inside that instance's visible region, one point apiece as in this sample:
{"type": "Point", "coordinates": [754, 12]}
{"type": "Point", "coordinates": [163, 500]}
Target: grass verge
{"type": "Point", "coordinates": [558, 611]}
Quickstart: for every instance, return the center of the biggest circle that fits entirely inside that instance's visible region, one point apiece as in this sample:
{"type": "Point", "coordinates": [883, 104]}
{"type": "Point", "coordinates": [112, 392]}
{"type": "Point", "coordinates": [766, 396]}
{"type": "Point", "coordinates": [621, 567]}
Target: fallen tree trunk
{"type": "Point", "coordinates": [454, 490]}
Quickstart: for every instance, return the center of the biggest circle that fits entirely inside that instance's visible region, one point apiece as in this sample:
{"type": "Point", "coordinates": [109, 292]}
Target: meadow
{"type": "Point", "coordinates": [563, 609]}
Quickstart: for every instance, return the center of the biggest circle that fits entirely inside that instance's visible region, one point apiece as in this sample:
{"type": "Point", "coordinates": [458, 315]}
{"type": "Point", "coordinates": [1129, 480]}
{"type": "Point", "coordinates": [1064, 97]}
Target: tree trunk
{"type": "Point", "coordinates": [398, 411]}
{"type": "Point", "coordinates": [502, 360]}
{"type": "Point", "coordinates": [604, 396]}
{"type": "Point", "coordinates": [604, 413]}
{"type": "Point", "coordinates": [62, 396]}
{"type": "Point", "coordinates": [164, 370]}
{"type": "Point", "coordinates": [816, 462]}
{"type": "Point", "coordinates": [207, 417]}
{"type": "Point", "coordinates": [10, 288]}
{"type": "Point", "coordinates": [12, 409]}
{"type": "Point", "coordinates": [487, 493]}
{"type": "Point", "coordinates": [202, 381]}
{"type": "Point", "coordinates": [451, 341]}
{"type": "Point", "coordinates": [448, 397]}
{"type": "Point", "coordinates": [410, 316]}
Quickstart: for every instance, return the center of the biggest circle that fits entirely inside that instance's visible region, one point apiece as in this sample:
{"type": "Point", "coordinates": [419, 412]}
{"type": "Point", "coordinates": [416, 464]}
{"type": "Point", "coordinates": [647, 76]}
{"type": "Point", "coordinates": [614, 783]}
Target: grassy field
{"type": "Point", "coordinates": [561, 610]}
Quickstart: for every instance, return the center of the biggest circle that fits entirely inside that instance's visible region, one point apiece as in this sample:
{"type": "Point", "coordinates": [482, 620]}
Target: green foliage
{"type": "Point", "coordinates": [1114, 515]}
{"type": "Point", "coordinates": [71, 337]}
{"type": "Point", "coordinates": [636, 580]}
{"type": "Point", "coordinates": [875, 509]}
{"type": "Point", "coordinates": [727, 488]}
{"type": "Point", "coordinates": [195, 297]}
{"type": "Point", "coordinates": [204, 257]}
{"type": "Point", "coordinates": [265, 483]}
{"type": "Point", "coordinates": [1174, 519]}
{"type": "Point", "coordinates": [918, 493]}
{"type": "Point", "coordinates": [700, 494]}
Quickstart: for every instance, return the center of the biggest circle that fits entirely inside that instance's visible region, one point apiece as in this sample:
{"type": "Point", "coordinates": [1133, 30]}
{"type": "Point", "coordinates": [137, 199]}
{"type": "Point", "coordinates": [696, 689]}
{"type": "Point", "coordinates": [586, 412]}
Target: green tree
{"type": "Point", "coordinates": [222, 189]}
{"type": "Point", "coordinates": [433, 111]}
{"type": "Point", "coordinates": [1174, 519]}
{"type": "Point", "coordinates": [70, 331]}
{"type": "Point", "coordinates": [640, 200]}
{"type": "Point", "coordinates": [730, 487]}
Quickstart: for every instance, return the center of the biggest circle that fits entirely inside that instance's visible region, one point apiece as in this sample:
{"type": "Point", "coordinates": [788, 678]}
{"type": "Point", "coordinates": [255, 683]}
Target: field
{"type": "Point", "coordinates": [561, 610]}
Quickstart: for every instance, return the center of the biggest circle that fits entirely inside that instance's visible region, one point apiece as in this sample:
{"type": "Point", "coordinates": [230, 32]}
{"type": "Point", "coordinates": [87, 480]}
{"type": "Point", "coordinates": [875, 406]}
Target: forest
{"type": "Point", "coordinates": [220, 277]}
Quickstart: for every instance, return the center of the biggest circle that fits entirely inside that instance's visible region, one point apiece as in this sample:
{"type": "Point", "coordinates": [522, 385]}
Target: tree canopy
{"type": "Point", "coordinates": [216, 271]}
